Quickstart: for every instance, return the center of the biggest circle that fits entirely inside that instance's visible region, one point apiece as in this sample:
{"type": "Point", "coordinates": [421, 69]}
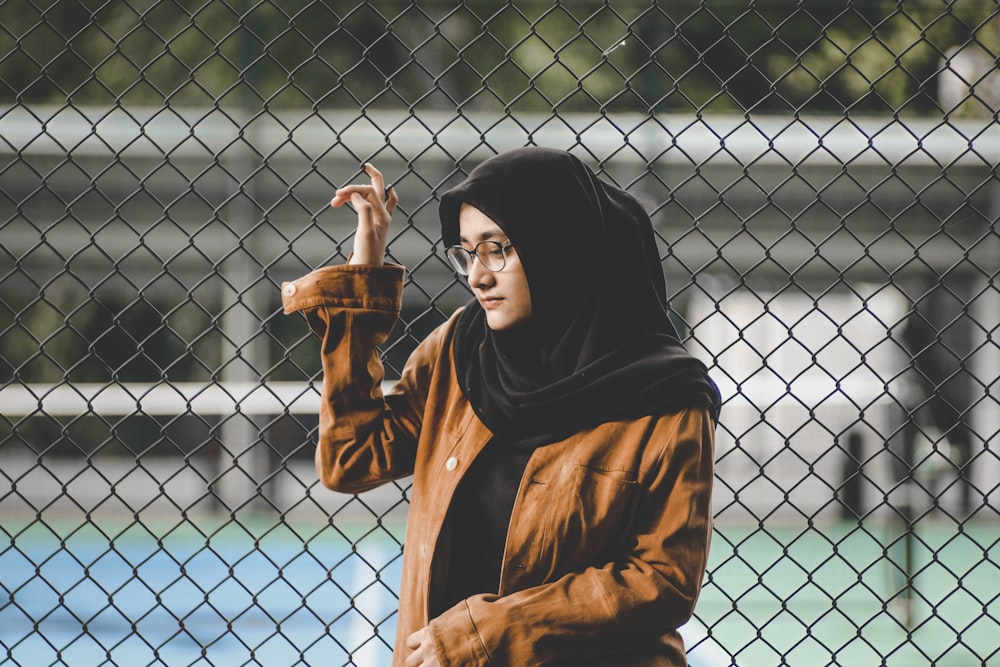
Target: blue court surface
{"type": "Point", "coordinates": [197, 595]}
{"type": "Point", "coordinates": [267, 593]}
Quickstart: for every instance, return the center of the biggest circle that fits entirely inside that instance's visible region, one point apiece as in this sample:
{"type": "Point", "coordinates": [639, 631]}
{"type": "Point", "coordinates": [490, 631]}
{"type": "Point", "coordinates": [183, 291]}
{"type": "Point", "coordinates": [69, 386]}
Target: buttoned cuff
{"type": "Point", "coordinates": [347, 286]}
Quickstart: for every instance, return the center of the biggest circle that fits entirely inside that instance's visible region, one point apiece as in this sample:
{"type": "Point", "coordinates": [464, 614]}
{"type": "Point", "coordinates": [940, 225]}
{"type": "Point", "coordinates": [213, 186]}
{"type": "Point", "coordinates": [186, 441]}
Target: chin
{"type": "Point", "coordinates": [499, 323]}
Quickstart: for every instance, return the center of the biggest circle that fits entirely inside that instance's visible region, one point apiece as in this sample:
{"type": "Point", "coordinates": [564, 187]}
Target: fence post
{"type": "Point", "coordinates": [242, 459]}
{"type": "Point", "coordinates": [850, 491]}
{"type": "Point", "coordinates": [984, 416]}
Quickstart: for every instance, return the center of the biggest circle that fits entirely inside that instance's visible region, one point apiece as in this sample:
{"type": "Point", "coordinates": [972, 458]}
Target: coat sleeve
{"type": "Point", "coordinates": [365, 437]}
{"type": "Point", "coordinates": [635, 602]}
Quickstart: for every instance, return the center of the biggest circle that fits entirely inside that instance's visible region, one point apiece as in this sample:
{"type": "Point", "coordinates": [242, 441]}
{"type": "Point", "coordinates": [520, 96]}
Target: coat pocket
{"type": "Point", "coordinates": [589, 519]}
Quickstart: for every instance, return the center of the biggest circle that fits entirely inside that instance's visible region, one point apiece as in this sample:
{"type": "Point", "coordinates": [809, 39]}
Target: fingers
{"type": "Point", "coordinates": [362, 206]}
{"type": "Point", "coordinates": [390, 202]}
{"type": "Point", "coordinates": [346, 193]}
{"type": "Point", "coordinates": [374, 192]}
{"type": "Point", "coordinates": [415, 642]}
{"type": "Point", "coordinates": [374, 210]}
{"type": "Point", "coordinates": [378, 183]}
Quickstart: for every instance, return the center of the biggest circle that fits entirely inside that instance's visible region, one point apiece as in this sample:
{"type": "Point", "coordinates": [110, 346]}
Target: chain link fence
{"type": "Point", "coordinates": [823, 182]}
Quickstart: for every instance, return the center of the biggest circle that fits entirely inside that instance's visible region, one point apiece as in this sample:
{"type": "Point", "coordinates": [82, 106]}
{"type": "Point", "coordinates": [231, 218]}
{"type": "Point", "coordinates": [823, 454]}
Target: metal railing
{"type": "Point", "coordinates": [823, 183]}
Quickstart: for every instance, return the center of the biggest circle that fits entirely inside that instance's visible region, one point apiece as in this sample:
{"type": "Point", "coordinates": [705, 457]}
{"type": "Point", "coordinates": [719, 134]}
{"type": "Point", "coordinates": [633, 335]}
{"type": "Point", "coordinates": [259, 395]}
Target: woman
{"type": "Point", "coordinates": [559, 436]}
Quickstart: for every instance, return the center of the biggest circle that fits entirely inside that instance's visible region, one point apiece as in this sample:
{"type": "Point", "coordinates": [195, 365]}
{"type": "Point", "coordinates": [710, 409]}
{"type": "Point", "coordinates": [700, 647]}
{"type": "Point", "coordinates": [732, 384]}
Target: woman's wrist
{"type": "Point", "coordinates": [365, 253]}
{"type": "Point", "coordinates": [357, 259]}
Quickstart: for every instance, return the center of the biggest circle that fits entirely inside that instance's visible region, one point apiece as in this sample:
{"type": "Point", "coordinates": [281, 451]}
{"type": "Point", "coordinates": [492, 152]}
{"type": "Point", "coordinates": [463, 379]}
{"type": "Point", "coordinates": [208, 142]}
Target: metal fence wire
{"type": "Point", "coordinates": [822, 177]}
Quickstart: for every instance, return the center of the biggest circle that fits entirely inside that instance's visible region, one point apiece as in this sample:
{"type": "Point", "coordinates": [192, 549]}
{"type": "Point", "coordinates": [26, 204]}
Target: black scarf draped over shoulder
{"type": "Point", "coordinates": [600, 345]}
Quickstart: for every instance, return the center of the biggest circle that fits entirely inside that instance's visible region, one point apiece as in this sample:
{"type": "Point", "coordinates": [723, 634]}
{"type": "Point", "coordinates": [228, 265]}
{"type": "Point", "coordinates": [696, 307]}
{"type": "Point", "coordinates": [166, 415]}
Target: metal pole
{"type": "Point", "coordinates": [243, 457]}
{"type": "Point", "coordinates": [984, 416]}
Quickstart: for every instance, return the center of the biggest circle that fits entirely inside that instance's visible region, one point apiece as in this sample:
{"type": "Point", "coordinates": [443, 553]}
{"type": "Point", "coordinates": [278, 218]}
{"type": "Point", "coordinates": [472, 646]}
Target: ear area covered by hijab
{"type": "Point", "coordinates": [600, 345]}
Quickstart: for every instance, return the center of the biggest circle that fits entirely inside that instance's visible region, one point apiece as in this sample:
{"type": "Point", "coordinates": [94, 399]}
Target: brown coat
{"type": "Point", "coordinates": [610, 530]}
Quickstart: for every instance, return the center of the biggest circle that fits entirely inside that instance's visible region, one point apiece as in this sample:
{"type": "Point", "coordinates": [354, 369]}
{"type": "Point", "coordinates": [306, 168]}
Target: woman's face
{"type": "Point", "coordinates": [503, 294]}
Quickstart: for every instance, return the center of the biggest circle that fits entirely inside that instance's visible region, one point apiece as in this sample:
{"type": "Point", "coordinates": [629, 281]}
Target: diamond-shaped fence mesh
{"type": "Point", "coordinates": [823, 182]}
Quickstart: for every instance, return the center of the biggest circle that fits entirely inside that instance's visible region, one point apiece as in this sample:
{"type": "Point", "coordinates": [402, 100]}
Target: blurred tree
{"type": "Point", "coordinates": [776, 56]}
{"type": "Point", "coordinates": [85, 338]}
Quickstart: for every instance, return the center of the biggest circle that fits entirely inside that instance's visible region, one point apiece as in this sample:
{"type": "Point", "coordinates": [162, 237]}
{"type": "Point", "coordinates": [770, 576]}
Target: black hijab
{"type": "Point", "coordinates": [600, 345]}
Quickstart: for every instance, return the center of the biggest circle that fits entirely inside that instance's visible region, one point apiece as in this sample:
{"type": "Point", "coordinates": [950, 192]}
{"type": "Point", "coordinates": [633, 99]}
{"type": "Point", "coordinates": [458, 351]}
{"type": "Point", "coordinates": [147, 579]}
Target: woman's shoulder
{"type": "Point", "coordinates": [429, 383]}
{"type": "Point", "coordinates": [441, 337]}
{"type": "Point", "coordinates": [433, 357]}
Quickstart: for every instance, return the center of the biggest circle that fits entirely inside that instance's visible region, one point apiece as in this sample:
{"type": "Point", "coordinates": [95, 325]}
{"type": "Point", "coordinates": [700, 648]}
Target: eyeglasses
{"type": "Point", "coordinates": [491, 254]}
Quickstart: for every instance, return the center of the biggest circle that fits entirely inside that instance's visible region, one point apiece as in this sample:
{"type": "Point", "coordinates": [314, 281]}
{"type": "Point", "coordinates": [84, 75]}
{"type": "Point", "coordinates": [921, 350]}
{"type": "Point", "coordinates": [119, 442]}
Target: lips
{"type": "Point", "coordinates": [490, 301]}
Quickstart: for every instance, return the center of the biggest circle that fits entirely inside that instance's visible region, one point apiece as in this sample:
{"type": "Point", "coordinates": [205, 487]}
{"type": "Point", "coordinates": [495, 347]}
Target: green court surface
{"type": "Point", "coordinates": [260, 592]}
{"type": "Point", "coordinates": [837, 595]}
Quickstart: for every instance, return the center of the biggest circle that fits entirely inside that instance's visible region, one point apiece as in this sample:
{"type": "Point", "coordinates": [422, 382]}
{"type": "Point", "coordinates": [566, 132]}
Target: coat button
{"type": "Point", "coordinates": [288, 289]}
{"type": "Point", "coordinates": [451, 463]}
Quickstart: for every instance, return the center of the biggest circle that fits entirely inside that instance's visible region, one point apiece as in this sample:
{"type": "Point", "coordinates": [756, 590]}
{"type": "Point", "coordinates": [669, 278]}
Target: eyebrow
{"type": "Point", "coordinates": [485, 236]}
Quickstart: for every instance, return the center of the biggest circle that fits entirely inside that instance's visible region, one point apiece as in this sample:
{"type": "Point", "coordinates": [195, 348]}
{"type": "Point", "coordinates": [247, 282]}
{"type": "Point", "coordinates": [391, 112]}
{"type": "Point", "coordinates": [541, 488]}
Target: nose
{"type": "Point", "coordinates": [479, 276]}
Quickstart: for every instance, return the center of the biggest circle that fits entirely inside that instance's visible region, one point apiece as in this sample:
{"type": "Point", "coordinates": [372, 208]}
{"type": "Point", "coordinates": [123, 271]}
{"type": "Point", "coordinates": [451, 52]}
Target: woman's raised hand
{"type": "Point", "coordinates": [374, 208]}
